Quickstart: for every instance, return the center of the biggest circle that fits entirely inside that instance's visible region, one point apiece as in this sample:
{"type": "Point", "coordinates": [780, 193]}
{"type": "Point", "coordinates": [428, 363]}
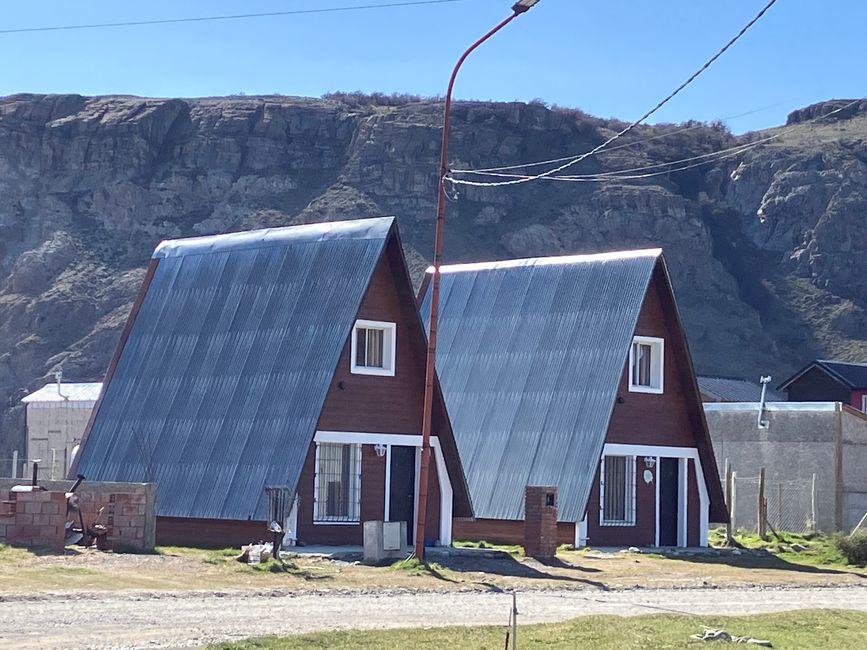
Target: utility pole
{"type": "Point", "coordinates": [520, 7]}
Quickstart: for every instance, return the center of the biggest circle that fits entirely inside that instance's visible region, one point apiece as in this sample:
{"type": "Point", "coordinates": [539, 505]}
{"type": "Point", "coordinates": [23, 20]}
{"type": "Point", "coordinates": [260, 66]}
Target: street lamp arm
{"type": "Point", "coordinates": [427, 414]}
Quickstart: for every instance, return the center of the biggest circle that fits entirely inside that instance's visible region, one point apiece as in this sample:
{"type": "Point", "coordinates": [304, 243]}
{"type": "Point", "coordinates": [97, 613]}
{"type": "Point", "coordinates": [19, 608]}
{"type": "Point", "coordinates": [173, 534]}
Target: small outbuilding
{"type": "Point", "coordinates": [288, 360]}
{"type": "Point", "coordinates": [574, 372]}
{"type": "Point", "coordinates": [56, 417]}
{"type": "Point", "coordinates": [829, 381]}
{"type": "Point", "coordinates": [814, 455]}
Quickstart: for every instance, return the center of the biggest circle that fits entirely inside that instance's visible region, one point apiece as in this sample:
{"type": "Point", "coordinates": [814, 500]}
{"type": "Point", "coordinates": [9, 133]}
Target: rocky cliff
{"type": "Point", "coordinates": [767, 248]}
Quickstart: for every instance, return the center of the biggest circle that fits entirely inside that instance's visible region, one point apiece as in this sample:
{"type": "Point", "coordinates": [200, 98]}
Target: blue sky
{"type": "Point", "coordinates": [612, 58]}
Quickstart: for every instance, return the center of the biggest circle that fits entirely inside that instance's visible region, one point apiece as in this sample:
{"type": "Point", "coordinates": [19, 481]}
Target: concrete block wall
{"type": "Point", "coordinates": [540, 520]}
{"type": "Point", "coordinates": [38, 518]}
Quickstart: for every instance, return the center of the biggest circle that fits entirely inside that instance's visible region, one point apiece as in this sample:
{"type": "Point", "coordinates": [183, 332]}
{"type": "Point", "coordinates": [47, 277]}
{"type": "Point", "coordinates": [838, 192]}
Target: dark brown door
{"type": "Point", "coordinates": [402, 500]}
{"type": "Point", "coordinates": [668, 479]}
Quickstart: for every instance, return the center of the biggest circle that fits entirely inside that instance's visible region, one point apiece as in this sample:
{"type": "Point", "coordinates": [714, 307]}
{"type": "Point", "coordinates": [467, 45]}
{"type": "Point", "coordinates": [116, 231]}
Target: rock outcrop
{"type": "Point", "coordinates": [766, 248]}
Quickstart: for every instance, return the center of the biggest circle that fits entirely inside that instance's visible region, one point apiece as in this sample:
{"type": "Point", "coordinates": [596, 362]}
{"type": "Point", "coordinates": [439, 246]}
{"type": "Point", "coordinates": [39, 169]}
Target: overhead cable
{"type": "Point", "coordinates": [634, 143]}
{"type": "Point", "coordinates": [202, 19]}
{"type": "Point", "coordinates": [630, 127]}
{"type": "Point", "coordinates": [722, 154]}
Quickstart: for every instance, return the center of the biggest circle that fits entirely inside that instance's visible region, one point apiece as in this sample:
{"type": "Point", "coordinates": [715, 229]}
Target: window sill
{"type": "Point", "coordinates": [326, 522]}
{"type": "Point", "coordinates": [377, 372]}
{"type": "Point", "coordinates": [617, 524]}
{"type": "Point", "coordinates": [645, 389]}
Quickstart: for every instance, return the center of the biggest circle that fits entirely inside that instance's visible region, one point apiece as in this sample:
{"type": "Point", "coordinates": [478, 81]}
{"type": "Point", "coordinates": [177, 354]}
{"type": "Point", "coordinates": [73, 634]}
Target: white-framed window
{"type": "Point", "coordinates": [617, 491]}
{"type": "Point", "coordinates": [373, 348]}
{"type": "Point", "coordinates": [646, 364]}
{"type": "Point", "coordinates": [337, 483]}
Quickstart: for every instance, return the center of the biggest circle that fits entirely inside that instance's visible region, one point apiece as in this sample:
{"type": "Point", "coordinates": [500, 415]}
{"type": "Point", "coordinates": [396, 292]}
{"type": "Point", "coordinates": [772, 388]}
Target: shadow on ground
{"type": "Point", "coordinates": [505, 564]}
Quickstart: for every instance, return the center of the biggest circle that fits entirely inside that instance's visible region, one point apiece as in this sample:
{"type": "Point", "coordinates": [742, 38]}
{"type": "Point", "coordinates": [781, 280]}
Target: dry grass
{"type": "Point", "coordinates": [183, 569]}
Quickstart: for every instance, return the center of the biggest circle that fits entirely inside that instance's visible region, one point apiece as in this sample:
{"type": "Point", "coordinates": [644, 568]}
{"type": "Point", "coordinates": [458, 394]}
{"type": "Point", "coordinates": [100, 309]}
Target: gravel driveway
{"type": "Point", "coordinates": [182, 619]}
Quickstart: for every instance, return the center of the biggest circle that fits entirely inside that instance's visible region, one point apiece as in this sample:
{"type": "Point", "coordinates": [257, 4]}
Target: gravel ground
{"type": "Point", "coordinates": [184, 619]}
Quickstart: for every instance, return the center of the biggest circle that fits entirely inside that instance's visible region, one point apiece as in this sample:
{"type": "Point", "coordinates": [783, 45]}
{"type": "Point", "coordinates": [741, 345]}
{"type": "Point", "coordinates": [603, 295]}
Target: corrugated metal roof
{"type": "Point", "coordinates": [83, 392]}
{"type": "Point", "coordinates": [218, 389]}
{"type": "Point", "coordinates": [530, 354]}
{"type": "Point", "coordinates": [737, 390]}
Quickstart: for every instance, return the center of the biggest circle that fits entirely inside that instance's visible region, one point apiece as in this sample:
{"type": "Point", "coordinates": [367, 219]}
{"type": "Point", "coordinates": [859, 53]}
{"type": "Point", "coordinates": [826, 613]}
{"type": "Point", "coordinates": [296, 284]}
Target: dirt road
{"type": "Point", "coordinates": [183, 619]}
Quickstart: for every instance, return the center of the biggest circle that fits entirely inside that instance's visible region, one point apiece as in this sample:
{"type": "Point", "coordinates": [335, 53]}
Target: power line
{"type": "Point", "coordinates": [631, 126]}
{"type": "Point", "coordinates": [202, 19]}
{"type": "Point", "coordinates": [701, 125]}
{"type": "Point", "coordinates": [714, 156]}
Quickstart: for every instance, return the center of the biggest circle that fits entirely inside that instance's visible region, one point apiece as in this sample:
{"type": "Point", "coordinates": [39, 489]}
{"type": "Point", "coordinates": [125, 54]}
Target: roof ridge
{"type": "Point", "coordinates": [550, 260]}
{"type": "Point", "coordinates": [365, 228]}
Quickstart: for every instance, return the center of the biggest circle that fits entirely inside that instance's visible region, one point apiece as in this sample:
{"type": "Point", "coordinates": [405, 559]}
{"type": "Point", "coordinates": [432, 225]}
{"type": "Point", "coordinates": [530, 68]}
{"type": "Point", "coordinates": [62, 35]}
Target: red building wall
{"type": "Point", "coordinates": [855, 399]}
{"type": "Point", "coordinates": [649, 419]}
{"type": "Point", "coordinates": [375, 404]}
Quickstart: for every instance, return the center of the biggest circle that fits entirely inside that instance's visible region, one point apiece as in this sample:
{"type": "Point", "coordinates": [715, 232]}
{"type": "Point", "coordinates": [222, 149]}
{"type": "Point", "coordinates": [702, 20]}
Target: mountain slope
{"type": "Point", "coordinates": [766, 248]}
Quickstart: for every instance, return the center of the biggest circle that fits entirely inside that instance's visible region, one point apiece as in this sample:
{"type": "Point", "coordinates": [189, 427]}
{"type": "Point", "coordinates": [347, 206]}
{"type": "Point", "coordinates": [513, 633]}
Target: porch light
{"type": "Point", "coordinates": [649, 462]}
{"type": "Point", "coordinates": [379, 449]}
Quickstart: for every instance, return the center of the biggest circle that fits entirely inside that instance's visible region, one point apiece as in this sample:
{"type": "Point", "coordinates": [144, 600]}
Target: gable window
{"type": "Point", "coordinates": [373, 348]}
{"type": "Point", "coordinates": [617, 491]}
{"type": "Point", "coordinates": [646, 364]}
{"type": "Point", "coordinates": [337, 489]}
{"type": "Point", "coordinates": [864, 403]}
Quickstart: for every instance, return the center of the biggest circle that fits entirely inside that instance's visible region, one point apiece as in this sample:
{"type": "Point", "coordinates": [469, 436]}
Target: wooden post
{"type": "Point", "coordinates": [514, 621]}
{"type": "Point", "coordinates": [814, 525]}
{"type": "Point", "coordinates": [734, 502]}
{"type": "Point", "coordinates": [761, 505]}
{"type": "Point", "coordinates": [729, 502]}
{"type": "Point", "coordinates": [15, 464]}
{"type": "Point", "coordinates": [779, 506]}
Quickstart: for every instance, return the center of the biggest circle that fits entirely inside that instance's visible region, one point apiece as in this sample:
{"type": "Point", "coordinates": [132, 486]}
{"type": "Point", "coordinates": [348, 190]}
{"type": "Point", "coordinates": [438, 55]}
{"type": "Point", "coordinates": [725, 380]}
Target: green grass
{"type": "Point", "coordinates": [804, 629]}
{"type": "Point", "coordinates": [820, 549]}
{"type": "Point", "coordinates": [513, 549]}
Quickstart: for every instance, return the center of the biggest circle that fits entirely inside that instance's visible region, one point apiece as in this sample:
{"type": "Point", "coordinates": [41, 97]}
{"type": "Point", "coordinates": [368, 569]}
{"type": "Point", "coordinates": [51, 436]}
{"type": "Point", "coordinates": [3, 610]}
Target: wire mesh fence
{"type": "Point", "coordinates": [790, 503]}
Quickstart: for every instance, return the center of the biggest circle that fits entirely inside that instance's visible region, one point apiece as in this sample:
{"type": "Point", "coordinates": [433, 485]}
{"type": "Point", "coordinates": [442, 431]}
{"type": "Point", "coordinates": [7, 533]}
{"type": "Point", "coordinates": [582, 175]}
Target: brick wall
{"type": "Point", "coordinates": [540, 520]}
{"type": "Point", "coordinates": [38, 518]}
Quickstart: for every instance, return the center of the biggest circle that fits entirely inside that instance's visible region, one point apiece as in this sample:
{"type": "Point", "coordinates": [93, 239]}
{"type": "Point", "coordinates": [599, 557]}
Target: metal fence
{"type": "Point", "coordinates": [791, 503]}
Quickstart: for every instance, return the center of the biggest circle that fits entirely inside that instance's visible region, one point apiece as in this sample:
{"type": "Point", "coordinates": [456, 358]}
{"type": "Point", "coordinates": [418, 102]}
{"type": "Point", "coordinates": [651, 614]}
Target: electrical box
{"type": "Point", "coordinates": [391, 532]}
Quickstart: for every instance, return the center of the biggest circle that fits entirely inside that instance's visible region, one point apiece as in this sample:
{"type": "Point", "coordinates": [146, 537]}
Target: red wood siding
{"type": "Point", "coordinates": [649, 419]}
{"type": "Point", "coordinates": [504, 531]}
{"type": "Point", "coordinates": [209, 533]}
{"type": "Point", "coordinates": [375, 404]}
{"type": "Point", "coordinates": [856, 398]}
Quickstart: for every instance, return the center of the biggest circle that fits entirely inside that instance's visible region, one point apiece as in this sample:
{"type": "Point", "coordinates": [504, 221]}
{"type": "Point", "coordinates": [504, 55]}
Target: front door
{"type": "Point", "coordinates": [669, 475]}
{"type": "Point", "coordinates": [401, 505]}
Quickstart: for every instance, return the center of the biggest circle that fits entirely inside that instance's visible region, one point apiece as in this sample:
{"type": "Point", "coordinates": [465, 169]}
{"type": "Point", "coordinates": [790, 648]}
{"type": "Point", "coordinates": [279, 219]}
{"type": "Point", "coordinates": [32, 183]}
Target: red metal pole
{"type": "Point", "coordinates": [434, 299]}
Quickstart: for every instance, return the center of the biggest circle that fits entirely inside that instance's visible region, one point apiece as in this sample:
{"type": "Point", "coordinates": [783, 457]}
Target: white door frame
{"type": "Point", "coordinates": [404, 440]}
{"type": "Point", "coordinates": [683, 454]}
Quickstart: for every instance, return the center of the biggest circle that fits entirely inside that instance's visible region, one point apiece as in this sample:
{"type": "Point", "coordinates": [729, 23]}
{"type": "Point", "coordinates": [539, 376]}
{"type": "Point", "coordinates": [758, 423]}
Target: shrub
{"type": "Point", "coordinates": [853, 547]}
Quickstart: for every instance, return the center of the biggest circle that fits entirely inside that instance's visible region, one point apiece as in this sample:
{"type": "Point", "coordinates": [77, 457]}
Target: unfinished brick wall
{"type": "Point", "coordinates": [540, 520]}
{"type": "Point", "coordinates": [37, 518]}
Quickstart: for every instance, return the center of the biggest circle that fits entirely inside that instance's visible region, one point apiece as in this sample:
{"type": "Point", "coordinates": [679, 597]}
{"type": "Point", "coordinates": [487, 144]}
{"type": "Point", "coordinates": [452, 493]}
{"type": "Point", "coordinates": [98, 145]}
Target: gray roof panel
{"type": "Point", "coordinates": [737, 390]}
{"type": "Point", "coordinates": [530, 354]}
{"type": "Point", "coordinates": [218, 389]}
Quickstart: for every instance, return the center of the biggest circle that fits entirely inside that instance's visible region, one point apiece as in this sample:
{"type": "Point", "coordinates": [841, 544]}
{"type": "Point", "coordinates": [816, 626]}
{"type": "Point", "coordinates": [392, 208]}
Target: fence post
{"type": "Point", "coordinates": [53, 463]}
{"type": "Point", "coordinates": [15, 464]}
{"type": "Point", "coordinates": [779, 505]}
{"type": "Point", "coordinates": [760, 506]}
{"type": "Point", "coordinates": [734, 501]}
{"type": "Point", "coordinates": [729, 502]}
{"type": "Point", "coordinates": [814, 523]}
